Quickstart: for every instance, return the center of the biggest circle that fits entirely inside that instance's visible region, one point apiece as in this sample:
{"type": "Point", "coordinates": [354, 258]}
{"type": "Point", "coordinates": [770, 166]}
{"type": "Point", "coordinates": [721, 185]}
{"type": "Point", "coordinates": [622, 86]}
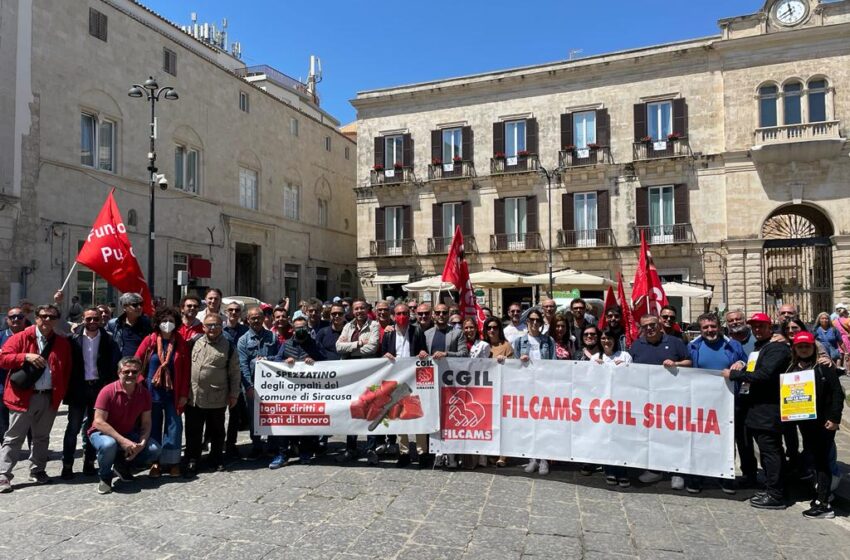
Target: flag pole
{"type": "Point", "coordinates": [70, 272]}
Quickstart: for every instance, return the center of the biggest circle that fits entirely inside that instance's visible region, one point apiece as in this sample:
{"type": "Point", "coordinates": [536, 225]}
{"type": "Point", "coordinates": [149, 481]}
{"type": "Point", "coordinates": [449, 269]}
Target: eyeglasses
{"type": "Point", "coordinates": [440, 313]}
{"type": "Point", "coordinates": [650, 326]}
{"type": "Point", "coordinates": [668, 317]}
{"type": "Point", "coordinates": [401, 314]}
{"type": "Point", "coordinates": [492, 327]}
{"type": "Point", "coordinates": [129, 372]}
{"type": "Point", "coordinates": [213, 326]}
{"type": "Point", "coordinates": [16, 317]}
{"type": "Point", "coordinates": [535, 320]}
{"type": "Point", "coordinates": [234, 310]}
{"type": "Point", "coordinates": [613, 315]}
{"type": "Point", "coordinates": [455, 323]}
{"type": "Point", "coordinates": [136, 305]}
{"type": "Point", "coordinates": [91, 319]}
{"type": "Point", "coordinates": [514, 311]}
{"type": "Point", "coordinates": [48, 317]}
{"type": "Point", "coordinates": [579, 308]}
{"type": "Point", "coordinates": [190, 306]}
{"type": "Point", "coordinates": [337, 314]}
{"type": "Point", "coordinates": [427, 313]}
{"type": "Point", "coordinates": [589, 335]}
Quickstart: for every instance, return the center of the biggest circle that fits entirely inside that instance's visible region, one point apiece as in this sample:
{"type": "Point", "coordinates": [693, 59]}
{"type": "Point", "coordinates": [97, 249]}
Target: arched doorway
{"type": "Point", "coordinates": [797, 260]}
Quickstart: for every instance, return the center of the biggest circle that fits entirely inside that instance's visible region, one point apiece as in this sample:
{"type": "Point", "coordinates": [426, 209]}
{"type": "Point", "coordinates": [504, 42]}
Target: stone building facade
{"type": "Point", "coordinates": [260, 187]}
{"type": "Point", "coordinates": [728, 152]}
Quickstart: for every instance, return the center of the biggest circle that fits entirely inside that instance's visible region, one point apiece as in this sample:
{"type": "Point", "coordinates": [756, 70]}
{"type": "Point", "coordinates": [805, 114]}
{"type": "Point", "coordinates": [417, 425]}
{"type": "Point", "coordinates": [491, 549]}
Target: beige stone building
{"type": "Point", "coordinates": [728, 152]}
{"type": "Point", "coordinates": [260, 180]}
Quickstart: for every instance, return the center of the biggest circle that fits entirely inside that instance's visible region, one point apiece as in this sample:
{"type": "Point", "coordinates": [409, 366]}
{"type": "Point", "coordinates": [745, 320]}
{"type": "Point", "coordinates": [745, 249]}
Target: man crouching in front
{"type": "Point", "coordinates": [120, 407]}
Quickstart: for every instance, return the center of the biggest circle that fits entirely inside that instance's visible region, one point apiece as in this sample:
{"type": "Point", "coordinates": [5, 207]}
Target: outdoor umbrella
{"type": "Point", "coordinates": [569, 278]}
{"type": "Point", "coordinates": [684, 290]}
{"type": "Point", "coordinates": [431, 284]}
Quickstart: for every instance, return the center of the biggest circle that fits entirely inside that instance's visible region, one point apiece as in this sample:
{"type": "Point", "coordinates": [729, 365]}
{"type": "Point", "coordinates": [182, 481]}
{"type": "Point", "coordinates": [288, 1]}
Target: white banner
{"type": "Point", "coordinates": [352, 397]}
{"type": "Point", "coordinates": [638, 416]}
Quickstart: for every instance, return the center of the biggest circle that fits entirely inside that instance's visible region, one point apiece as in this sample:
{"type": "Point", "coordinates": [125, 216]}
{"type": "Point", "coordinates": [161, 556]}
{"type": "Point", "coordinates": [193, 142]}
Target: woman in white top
{"type": "Point", "coordinates": [477, 347]}
{"type": "Point", "coordinates": [611, 353]}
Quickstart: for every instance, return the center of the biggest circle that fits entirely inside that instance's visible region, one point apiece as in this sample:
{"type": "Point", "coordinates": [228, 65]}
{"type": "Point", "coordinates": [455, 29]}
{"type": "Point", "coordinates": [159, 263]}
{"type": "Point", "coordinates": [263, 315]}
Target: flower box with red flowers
{"type": "Point", "coordinates": [570, 148]}
{"type": "Point", "coordinates": [593, 146]}
{"type": "Point", "coordinates": [378, 167]}
{"type": "Point", "coordinates": [673, 136]}
{"type": "Point", "coordinates": [436, 161]}
{"type": "Point", "coordinates": [499, 155]}
{"type": "Point", "coordinates": [398, 166]}
{"type": "Point", "coordinates": [646, 139]}
{"type": "Point", "coordinates": [522, 153]}
{"type": "Point", "coordinates": [457, 159]}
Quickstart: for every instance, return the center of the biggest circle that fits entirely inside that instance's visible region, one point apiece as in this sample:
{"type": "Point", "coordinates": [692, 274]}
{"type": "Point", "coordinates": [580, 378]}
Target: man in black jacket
{"type": "Point", "coordinates": [94, 361]}
{"type": "Point", "coordinates": [760, 387]}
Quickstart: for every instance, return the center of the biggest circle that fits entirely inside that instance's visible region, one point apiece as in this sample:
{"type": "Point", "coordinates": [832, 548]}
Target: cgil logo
{"type": "Point", "coordinates": [467, 413]}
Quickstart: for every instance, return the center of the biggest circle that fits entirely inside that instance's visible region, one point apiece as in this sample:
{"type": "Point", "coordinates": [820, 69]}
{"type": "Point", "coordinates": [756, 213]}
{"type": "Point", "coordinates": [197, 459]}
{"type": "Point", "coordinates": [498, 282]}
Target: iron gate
{"type": "Point", "coordinates": [798, 271]}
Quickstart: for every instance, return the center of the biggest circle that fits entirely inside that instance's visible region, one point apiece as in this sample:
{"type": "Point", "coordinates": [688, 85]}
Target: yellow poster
{"type": "Point", "coordinates": [797, 396]}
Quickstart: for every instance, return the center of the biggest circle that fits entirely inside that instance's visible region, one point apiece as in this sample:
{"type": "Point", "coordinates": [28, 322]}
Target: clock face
{"type": "Point", "coordinates": [790, 12]}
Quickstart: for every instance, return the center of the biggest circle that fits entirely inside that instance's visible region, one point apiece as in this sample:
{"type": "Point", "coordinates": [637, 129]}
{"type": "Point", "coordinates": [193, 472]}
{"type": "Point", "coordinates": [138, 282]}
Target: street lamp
{"type": "Point", "coordinates": [153, 93]}
{"type": "Point", "coordinates": [554, 173]}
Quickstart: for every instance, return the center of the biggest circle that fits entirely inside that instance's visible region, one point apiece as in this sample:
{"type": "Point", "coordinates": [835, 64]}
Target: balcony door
{"type": "Point", "coordinates": [584, 212]}
{"type": "Point", "coordinates": [516, 225]}
{"type": "Point", "coordinates": [394, 229]}
{"type": "Point", "coordinates": [662, 214]}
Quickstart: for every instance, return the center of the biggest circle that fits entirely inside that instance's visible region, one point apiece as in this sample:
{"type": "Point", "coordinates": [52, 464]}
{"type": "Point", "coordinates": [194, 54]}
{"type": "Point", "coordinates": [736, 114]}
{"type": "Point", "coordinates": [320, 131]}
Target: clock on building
{"type": "Point", "coordinates": [790, 12]}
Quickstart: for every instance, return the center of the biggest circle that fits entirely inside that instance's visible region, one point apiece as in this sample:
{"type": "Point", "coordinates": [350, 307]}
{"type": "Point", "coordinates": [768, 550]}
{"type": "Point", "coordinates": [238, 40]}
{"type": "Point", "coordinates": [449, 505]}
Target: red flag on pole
{"type": "Point", "coordinates": [456, 271]}
{"type": "Point", "coordinates": [647, 294]}
{"type": "Point", "coordinates": [108, 252]}
{"type": "Point", "coordinates": [628, 319]}
{"type": "Point", "coordinates": [610, 301]}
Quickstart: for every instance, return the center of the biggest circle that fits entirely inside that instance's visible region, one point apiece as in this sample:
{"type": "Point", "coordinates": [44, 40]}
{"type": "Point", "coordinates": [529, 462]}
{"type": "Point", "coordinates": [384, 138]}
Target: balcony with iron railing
{"type": "Point", "coordinates": [516, 242]}
{"type": "Point", "coordinates": [438, 170]}
{"type": "Point", "coordinates": [797, 142]}
{"type": "Point", "coordinates": [665, 234]}
{"type": "Point", "coordinates": [578, 157]}
{"type": "Point", "coordinates": [520, 163]}
{"type": "Point", "coordinates": [392, 248]}
{"type": "Point", "coordinates": [391, 176]}
{"type": "Point", "coordinates": [585, 238]}
{"type": "Point", "coordinates": [441, 245]}
{"type": "Point", "coordinates": [674, 146]}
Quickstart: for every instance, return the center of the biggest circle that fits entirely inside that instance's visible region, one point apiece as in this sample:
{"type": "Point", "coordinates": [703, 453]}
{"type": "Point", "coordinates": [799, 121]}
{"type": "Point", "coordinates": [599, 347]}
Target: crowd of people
{"type": "Point", "coordinates": [134, 384]}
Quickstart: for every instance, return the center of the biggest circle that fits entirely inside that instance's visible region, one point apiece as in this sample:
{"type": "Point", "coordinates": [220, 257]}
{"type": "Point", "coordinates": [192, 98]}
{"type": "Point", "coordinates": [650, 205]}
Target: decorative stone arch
{"type": "Point", "coordinates": [248, 158]}
{"type": "Point", "coordinates": [186, 135]}
{"type": "Point", "coordinates": [797, 259]}
{"type": "Point", "coordinates": [323, 189]}
{"type": "Point", "coordinates": [101, 103]}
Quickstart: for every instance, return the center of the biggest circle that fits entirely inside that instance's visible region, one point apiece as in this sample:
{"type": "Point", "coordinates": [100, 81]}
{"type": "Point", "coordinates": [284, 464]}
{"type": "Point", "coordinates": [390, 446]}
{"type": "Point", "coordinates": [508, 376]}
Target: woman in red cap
{"type": "Point", "coordinates": [819, 434]}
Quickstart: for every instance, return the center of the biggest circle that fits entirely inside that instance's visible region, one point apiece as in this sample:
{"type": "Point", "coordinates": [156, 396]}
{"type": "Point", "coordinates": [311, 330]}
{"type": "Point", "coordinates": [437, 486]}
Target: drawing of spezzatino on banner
{"type": "Point", "coordinates": [362, 397]}
{"type": "Point", "coordinates": [470, 415]}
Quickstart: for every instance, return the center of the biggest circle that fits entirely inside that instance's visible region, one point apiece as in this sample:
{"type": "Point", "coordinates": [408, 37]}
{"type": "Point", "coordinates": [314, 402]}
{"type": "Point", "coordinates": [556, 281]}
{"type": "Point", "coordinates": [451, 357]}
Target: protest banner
{"type": "Point", "coordinates": [797, 396]}
{"type": "Point", "coordinates": [638, 416]}
{"type": "Point", "coordinates": [362, 397]}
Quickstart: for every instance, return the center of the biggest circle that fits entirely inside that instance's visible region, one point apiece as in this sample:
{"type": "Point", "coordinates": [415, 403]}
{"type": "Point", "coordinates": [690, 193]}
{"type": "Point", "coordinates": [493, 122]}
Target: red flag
{"type": "Point", "coordinates": [108, 252]}
{"type": "Point", "coordinates": [610, 302]}
{"type": "Point", "coordinates": [628, 319]}
{"type": "Point", "coordinates": [647, 294]}
{"type": "Point", "coordinates": [456, 271]}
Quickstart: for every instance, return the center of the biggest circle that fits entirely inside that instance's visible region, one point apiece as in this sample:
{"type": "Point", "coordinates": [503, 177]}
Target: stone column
{"type": "Point", "coordinates": [840, 268]}
{"type": "Point", "coordinates": [744, 275]}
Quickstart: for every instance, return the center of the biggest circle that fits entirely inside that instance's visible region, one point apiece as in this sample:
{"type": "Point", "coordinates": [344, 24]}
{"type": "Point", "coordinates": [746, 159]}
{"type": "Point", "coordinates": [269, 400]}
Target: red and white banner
{"type": "Point", "coordinates": [108, 252]}
{"type": "Point", "coordinates": [637, 416]}
{"type": "Point", "coordinates": [362, 397]}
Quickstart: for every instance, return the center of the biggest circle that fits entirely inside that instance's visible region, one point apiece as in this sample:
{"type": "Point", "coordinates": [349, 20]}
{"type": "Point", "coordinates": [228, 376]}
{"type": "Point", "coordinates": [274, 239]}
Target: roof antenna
{"type": "Point", "coordinates": [574, 53]}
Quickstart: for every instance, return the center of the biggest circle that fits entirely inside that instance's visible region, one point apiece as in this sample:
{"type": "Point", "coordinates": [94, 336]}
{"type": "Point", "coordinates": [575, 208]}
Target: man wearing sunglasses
{"type": "Point", "coordinates": [33, 407]}
{"type": "Point", "coordinates": [15, 322]}
{"type": "Point", "coordinates": [131, 327]}
{"type": "Point", "coordinates": [94, 361]}
{"type": "Point", "coordinates": [669, 324]}
{"type": "Point", "coordinates": [614, 323]}
{"type": "Point", "coordinates": [578, 321]}
{"type": "Point", "coordinates": [516, 328]}
{"type": "Point", "coordinates": [441, 339]}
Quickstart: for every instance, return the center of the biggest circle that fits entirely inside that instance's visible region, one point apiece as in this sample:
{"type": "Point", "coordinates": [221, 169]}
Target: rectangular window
{"type": "Point", "coordinates": [584, 129]}
{"type": "Point", "coordinates": [290, 281]}
{"type": "Point", "coordinates": [347, 152]}
{"type": "Point", "coordinates": [169, 61]}
{"type": "Point", "coordinates": [661, 214]}
{"type": "Point", "coordinates": [515, 222]}
{"type": "Point", "coordinates": [291, 195]}
{"type": "Point", "coordinates": [186, 169]}
{"type": "Point", "coordinates": [394, 229]}
{"type": "Point", "coordinates": [243, 101]}
{"type": "Point", "coordinates": [452, 144]}
{"type": "Point", "coordinates": [323, 213]}
{"type": "Point", "coordinates": [97, 24]}
{"type": "Point", "coordinates": [179, 262]}
{"type": "Point", "coordinates": [328, 143]}
{"type": "Point", "coordinates": [393, 150]}
{"type": "Point", "coordinates": [97, 142]}
{"type": "Point", "coordinates": [792, 103]}
{"type": "Point", "coordinates": [452, 217]}
{"type": "Point", "coordinates": [248, 188]}
{"type": "Point", "coordinates": [584, 208]}
{"type": "Point", "coordinates": [514, 138]}
{"type": "Point", "coordinates": [659, 120]}
{"type": "Point", "coordinates": [293, 126]}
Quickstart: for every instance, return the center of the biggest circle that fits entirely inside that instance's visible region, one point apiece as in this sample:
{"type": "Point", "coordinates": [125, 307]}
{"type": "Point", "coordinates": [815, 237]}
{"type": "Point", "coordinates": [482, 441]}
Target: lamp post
{"type": "Point", "coordinates": [153, 93]}
{"type": "Point", "coordinates": [549, 175]}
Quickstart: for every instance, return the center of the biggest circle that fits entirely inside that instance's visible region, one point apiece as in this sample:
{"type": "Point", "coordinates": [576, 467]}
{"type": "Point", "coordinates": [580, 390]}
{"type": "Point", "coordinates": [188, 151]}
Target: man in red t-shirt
{"type": "Point", "coordinates": [122, 426]}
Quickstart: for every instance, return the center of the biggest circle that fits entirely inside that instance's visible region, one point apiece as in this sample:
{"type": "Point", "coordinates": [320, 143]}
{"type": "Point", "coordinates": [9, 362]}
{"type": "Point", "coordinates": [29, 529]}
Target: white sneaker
{"type": "Point", "coordinates": [531, 466]}
{"type": "Point", "coordinates": [544, 467]}
{"type": "Point", "coordinates": [648, 477]}
{"type": "Point", "coordinates": [677, 483]}
{"type": "Point", "coordinates": [381, 449]}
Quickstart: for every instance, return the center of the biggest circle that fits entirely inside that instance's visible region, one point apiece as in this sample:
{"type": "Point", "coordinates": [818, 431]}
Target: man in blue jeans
{"type": "Point", "coordinates": [120, 407]}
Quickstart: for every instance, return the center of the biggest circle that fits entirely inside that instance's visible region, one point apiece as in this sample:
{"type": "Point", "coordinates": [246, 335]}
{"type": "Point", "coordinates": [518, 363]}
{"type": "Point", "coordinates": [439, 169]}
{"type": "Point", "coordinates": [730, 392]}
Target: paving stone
{"type": "Point", "coordinates": [565, 525]}
{"type": "Point", "coordinates": [497, 538]}
{"type": "Point", "coordinates": [423, 552]}
{"type": "Point", "coordinates": [552, 546]}
{"type": "Point", "coordinates": [504, 517]}
{"type": "Point", "coordinates": [609, 542]}
{"type": "Point", "coordinates": [372, 543]}
{"type": "Point", "coordinates": [442, 535]}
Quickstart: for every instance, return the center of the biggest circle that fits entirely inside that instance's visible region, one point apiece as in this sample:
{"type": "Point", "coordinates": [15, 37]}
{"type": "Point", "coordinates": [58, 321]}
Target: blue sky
{"type": "Point", "coordinates": [377, 43]}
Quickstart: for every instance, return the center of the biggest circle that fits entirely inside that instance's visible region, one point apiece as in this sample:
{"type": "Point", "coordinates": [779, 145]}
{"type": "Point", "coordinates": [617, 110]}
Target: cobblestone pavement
{"type": "Point", "coordinates": [353, 512]}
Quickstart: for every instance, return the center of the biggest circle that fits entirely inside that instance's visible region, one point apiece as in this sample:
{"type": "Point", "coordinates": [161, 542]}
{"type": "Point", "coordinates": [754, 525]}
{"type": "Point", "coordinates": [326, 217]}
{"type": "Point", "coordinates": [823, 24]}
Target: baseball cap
{"type": "Point", "coordinates": [337, 299]}
{"type": "Point", "coordinates": [759, 318]}
{"type": "Point", "coordinates": [840, 306]}
{"type": "Point", "coordinates": [804, 338]}
{"type": "Point", "coordinates": [266, 308]}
